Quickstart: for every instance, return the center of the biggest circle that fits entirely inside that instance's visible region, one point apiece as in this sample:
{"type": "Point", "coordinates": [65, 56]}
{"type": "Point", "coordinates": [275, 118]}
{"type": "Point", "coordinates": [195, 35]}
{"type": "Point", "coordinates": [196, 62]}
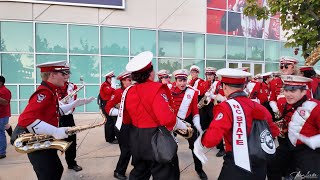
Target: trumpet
{"type": "Point", "coordinates": [65, 100]}
{"type": "Point", "coordinates": [28, 142]}
{"type": "Point", "coordinates": [205, 100]}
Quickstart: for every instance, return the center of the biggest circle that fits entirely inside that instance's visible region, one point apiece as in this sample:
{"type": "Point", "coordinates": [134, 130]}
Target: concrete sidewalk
{"type": "Point", "coordinates": [99, 158]}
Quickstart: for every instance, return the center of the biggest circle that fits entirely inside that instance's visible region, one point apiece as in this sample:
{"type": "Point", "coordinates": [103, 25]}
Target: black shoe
{"type": "Point", "coordinates": [220, 153]}
{"type": "Point", "coordinates": [202, 175]}
{"type": "Point", "coordinates": [119, 176]}
{"type": "Point", "coordinates": [75, 168]}
{"type": "Point", "coordinates": [114, 141]}
{"type": "Point", "coordinates": [2, 156]}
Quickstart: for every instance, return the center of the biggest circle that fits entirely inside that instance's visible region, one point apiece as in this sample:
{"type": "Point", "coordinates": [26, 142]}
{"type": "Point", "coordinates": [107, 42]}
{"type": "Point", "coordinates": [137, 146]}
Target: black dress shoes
{"type": "Point", "coordinates": [202, 175]}
{"type": "Point", "coordinates": [119, 176]}
{"type": "Point", "coordinates": [114, 141]}
{"type": "Point", "coordinates": [2, 156]}
{"type": "Point", "coordinates": [220, 153]}
{"type": "Point", "coordinates": [75, 168]}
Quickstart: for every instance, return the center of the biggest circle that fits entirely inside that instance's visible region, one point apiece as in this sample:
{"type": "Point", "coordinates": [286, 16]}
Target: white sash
{"type": "Point", "coordinates": [186, 101]}
{"type": "Point", "coordinates": [120, 114]}
{"type": "Point", "coordinates": [195, 85]}
{"type": "Point", "coordinates": [239, 136]}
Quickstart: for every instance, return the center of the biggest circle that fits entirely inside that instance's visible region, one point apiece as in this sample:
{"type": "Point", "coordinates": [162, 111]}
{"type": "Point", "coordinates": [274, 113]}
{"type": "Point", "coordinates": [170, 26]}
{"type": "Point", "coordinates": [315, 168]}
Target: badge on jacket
{"type": "Point", "coordinates": [165, 97]}
{"type": "Point", "coordinates": [40, 97]}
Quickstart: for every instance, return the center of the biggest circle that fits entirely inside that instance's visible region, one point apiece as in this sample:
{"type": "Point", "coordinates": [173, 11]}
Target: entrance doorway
{"type": "Point", "coordinates": [254, 68]}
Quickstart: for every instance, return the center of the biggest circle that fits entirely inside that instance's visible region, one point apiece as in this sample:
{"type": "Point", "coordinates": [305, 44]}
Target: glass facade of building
{"type": "Point", "coordinates": [93, 50]}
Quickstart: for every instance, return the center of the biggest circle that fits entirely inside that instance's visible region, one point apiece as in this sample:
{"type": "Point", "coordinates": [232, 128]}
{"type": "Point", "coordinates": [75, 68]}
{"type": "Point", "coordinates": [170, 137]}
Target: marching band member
{"type": "Point", "coordinates": [287, 67]}
{"type": "Point", "coordinates": [41, 116]}
{"type": "Point", "coordinates": [253, 88]}
{"type": "Point", "coordinates": [185, 100]}
{"type": "Point", "coordinates": [106, 91]}
{"type": "Point", "coordinates": [145, 105]}
{"type": "Point", "coordinates": [309, 72]}
{"type": "Point", "coordinates": [112, 108]}
{"type": "Point", "coordinates": [195, 80]}
{"type": "Point", "coordinates": [297, 152]}
{"type": "Point", "coordinates": [233, 120]}
{"type": "Point", "coordinates": [164, 77]}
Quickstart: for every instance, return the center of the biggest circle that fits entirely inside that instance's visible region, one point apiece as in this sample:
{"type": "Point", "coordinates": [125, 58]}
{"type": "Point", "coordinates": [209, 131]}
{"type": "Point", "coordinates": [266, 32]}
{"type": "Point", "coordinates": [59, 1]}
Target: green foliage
{"type": "Point", "coordinates": [298, 16]}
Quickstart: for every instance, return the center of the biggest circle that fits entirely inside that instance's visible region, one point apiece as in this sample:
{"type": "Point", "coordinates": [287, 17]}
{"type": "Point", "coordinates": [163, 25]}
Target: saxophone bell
{"type": "Point", "coordinates": [186, 133]}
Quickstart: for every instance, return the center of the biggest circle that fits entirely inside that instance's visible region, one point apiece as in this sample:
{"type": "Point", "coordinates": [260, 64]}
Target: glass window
{"type": "Point", "coordinates": [216, 21]}
{"type": "Point", "coordinates": [193, 46]}
{"type": "Point", "coordinates": [272, 51]}
{"type": "Point", "coordinates": [51, 38]}
{"type": "Point", "coordinates": [200, 63]}
{"type": "Point", "coordinates": [18, 68]}
{"type": "Point", "coordinates": [216, 64]}
{"type": "Point", "coordinates": [43, 58]}
{"type": "Point", "coordinates": [169, 44]}
{"type": "Point", "coordinates": [142, 40]}
{"type": "Point", "coordinates": [272, 67]}
{"type": "Point", "coordinates": [257, 69]}
{"type": "Point", "coordinates": [114, 41]}
{"type": "Point", "coordinates": [14, 107]}
{"type": "Point", "coordinates": [255, 49]}
{"type": "Point", "coordinates": [169, 64]}
{"type": "Point", "coordinates": [16, 37]}
{"type": "Point", "coordinates": [84, 39]}
{"type": "Point", "coordinates": [85, 66]}
{"type": "Point", "coordinates": [13, 90]}
{"type": "Point", "coordinates": [216, 47]}
{"type": "Point", "coordinates": [22, 105]}
{"type": "Point", "coordinates": [26, 92]}
{"type": "Point", "coordinates": [80, 94]}
{"type": "Point", "coordinates": [92, 91]}
{"type": "Point", "coordinates": [289, 51]}
{"type": "Point", "coordinates": [236, 48]}
{"type": "Point", "coordinates": [116, 64]}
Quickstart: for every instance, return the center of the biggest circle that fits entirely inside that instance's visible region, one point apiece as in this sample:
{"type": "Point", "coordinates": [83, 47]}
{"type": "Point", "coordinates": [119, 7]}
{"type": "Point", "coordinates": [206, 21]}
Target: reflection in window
{"type": "Point", "coordinates": [85, 66]}
{"type": "Point", "coordinates": [200, 63]}
{"type": "Point", "coordinates": [169, 44]}
{"type": "Point", "coordinates": [193, 46]}
{"type": "Point", "coordinates": [272, 67]}
{"type": "Point", "coordinates": [142, 40]}
{"type": "Point", "coordinates": [114, 41]}
{"type": "Point", "coordinates": [272, 51]}
{"type": "Point", "coordinates": [26, 91]}
{"type": "Point", "coordinates": [43, 58]}
{"type": "Point", "coordinates": [216, 47]}
{"type": "Point", "coordinates": [255, 49]}
{"type": "Point", "coordinates": [16, 37]}
{"type": "Point", "coordinates": [18, 68]}
{"type": "Point", "coordinates": [51, 38]}
{"type": "Point", "coordinates": [84, 39]}
{"type": "Point", "coordinates": [236, 48]}
{"type": "Point", "coordinates": [216, 64]}
{"type": "Point", "coordinates": [169, 64]}
{"type": "Point", "coordinates": [116, 64]}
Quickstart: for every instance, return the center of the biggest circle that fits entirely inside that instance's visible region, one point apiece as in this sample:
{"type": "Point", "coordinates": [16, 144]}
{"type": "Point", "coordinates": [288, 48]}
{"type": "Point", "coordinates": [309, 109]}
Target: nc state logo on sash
{"type": "Point", "coordinates": [189, 96]}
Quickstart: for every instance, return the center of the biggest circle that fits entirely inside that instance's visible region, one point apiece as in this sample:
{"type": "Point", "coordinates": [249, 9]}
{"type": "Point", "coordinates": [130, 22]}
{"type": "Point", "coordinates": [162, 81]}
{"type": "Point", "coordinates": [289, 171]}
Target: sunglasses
{"type": "Point", "coordinates": [284, 66]}
{"type": "Point", "coordinates": [165, 77]}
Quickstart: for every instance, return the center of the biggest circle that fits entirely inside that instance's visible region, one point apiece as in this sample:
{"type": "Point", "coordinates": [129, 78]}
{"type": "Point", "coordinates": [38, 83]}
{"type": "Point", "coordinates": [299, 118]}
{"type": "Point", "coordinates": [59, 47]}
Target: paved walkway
{"type": "Point", "coordinates": [98, 158]}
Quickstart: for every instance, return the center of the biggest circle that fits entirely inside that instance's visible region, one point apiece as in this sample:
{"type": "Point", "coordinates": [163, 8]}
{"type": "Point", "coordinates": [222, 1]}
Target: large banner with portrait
{"type": "Point", "coordinates": [226, 17]}
{"type": "Point", "coordinates": [118, 4]}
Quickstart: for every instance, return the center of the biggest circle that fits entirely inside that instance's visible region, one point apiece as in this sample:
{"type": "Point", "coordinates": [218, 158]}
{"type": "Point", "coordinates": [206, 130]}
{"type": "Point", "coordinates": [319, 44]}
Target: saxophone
{"type": "Point", "coordinates": [205, 100]}
{"type": "Point", "coordinates": [28, 142]}
{"type": "Point", "coordinates": [65, 100]}
{"type": "Point", "coordinates": [186, 133]}
{"type": "Point", "coordinates": [314, 56]}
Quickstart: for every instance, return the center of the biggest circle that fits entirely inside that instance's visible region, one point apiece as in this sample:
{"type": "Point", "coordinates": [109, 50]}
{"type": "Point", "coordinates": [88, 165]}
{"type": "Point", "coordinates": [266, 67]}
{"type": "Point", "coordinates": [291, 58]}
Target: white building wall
{"type": "Point", "coordinates": [178, 15]}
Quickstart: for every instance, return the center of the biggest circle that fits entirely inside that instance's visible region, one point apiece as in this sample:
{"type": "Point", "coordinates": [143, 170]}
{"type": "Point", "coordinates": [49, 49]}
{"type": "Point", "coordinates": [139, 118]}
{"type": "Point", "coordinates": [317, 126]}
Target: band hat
{"type": "Point", "coordinates": [124, 75]}
{"type": "Point", "coordinates": [306, 68]}
{"type": "Point", "coordinates": [257, 76]}
{"type": "Point", "coordinates": [245, 69]}
{"type": "Point", "coordinates": [233, 76]}
{"type": "Point", "coordinates": [288, 60]}
{"type": "Point", "coordinates": [110, 74]}
{"type": "Point", "coordinates": [194, 68]}
{"type": "Point", "coordinates": [210, 70]}
{"type": "Point", "coordinates": [181, 73]}
{"type": "Point", "coordinates": [292, 82]}
{"type": "Point", "coordinates": [267, 74]}
{"type": "Point", "coordinates": [56, 66]}
{"type": "Point", "coordinates": [162, 73]}
{"type": "Point", "coordinates": [140, 62]}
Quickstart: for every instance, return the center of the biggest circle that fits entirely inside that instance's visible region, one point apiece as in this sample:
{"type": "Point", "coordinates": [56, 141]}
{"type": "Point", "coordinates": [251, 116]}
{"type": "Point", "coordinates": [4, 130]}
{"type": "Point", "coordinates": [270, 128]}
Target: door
{"type": "Point", "coordinates": [254, 68]}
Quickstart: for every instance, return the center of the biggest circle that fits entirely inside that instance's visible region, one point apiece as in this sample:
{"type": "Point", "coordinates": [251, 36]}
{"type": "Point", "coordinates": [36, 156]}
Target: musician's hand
{"type": "Point", "coordinates": [78, 102]}
{"type": "Point", "coordinates": [180, 125]}
{"type": "Point", "coordinates": [89, 100]}
{"type": "Point", "coordinates": [207, 94]}
{"type": "Point", "coordinates": [60, 133]}
{"type": "Point", "coordinates": [313, 142]}
{"type": "Point", "coordinates": [199, 150]}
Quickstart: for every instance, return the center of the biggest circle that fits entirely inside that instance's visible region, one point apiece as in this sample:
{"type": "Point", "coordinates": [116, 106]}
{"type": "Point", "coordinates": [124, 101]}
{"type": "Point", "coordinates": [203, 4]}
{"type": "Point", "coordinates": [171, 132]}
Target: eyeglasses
{"type": "Point", "coordinates": [284, 66]}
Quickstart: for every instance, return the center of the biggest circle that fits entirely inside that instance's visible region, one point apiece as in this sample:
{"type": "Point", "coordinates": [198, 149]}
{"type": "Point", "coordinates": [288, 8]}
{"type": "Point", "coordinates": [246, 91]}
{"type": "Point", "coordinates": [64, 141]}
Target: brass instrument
{"type": "Point", "coordinates": [205, 100]}
{"type": "Point", "coordinates": [28, 142]}
{"type": "Point", "coordinates": [65, 100]}
{"type": "Point", "coordinates": [186, 133]}
{"type": "Point", "coordinates": [283, 127]}
{"type": "Point", "coordinates": [314, 56]}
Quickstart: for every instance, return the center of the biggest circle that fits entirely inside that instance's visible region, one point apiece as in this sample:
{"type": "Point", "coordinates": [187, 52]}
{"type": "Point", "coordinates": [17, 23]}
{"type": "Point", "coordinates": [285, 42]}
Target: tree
{"type": "Point", "coordinates": [301, 17]}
